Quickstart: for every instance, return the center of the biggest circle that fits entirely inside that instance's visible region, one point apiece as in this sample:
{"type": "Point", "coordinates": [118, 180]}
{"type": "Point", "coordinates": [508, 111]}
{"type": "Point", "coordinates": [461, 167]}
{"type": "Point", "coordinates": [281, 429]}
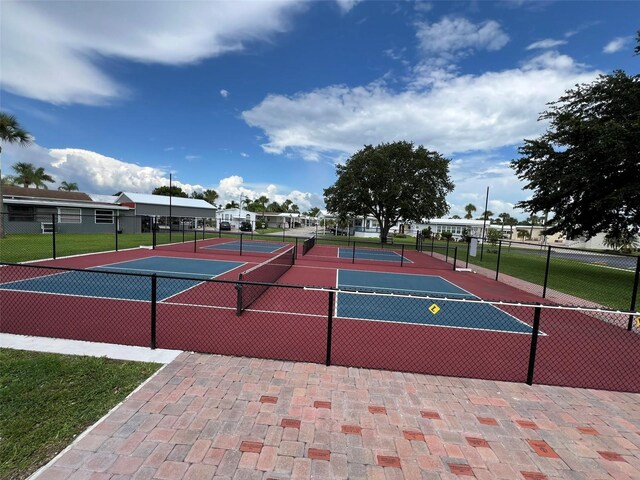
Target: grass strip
{"type": "Point", "coordinates": [47, 399]}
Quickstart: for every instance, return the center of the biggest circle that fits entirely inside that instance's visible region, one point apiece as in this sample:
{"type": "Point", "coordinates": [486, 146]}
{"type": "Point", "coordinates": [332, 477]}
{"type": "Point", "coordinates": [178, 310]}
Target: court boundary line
{"type": "Point", "coordinates": [425, 297]}
{"type": "Point", "coordinates": [241, 264]}
{"type": "Point", "coordinates": [457, 327]}
{"type": "Point", "coordinates": [406, 259]}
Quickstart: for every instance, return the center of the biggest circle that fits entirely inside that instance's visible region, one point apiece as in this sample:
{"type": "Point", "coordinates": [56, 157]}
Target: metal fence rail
{"type": "Point", "coordinates": [497, 340]}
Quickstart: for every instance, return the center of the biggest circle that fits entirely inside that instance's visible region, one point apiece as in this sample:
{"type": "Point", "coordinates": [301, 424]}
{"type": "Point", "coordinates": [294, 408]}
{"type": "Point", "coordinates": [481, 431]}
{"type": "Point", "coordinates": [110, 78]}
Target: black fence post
{"type": "Point", "coordinates": [455, 257]}
{"type": "Point", "coordinates": [402, 256]}
{"type": "Point", "coordinates": [446, 256]}
{"type": "Point", "coordinates": [498, 262]}
{"type": "Point", "coordinates": [195, 240]}
{"type": "Point", "coordinates": [296, 245]}
{"type": "Point", "coordinates": [534, 345]}
{"type": "Point", "coordinates": [546, 272]}
{"type": "Point", "coordinates": [330, 327]}
{"type": "Point", "coordinates": [53, 235]}
{"type": "Point", "coordinates": [219, 230]}
{"type": "Point", "coordinates": [634, 293]}
{"type": "Point", "coordinates": [154, 233]}
{"type": "Point", "coordinates": [468, 248]}
{"type": "Point", "coordinates": [183, 231]}
{"type": "Point", "coordinates": [353, 255]}
{"type": "Point", "coordinates": [239, 296]}
{"type": "Point", "coordinates": [154, 297]}
{"type": "Point", "coordinates": [204, 224]}
{"type": "Point", "coordinates": [241, 235]}
{"type": "Point", "coordinates": [115, 221]}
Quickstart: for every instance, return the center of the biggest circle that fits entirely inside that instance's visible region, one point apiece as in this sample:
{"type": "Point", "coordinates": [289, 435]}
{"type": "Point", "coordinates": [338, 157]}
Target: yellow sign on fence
{"type": "Point", "coordinates": [434, 308]}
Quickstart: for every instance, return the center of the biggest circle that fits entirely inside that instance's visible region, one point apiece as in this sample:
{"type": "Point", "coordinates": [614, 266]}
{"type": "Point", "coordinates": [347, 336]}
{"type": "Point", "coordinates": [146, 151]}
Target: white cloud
{"type": "Point", "coordinates": [243, 154]}
{"type": "Point", "coordinates": [51, 50]}
{"type": "Point", "coordinates": [347, 5]}
{"type": "Point", "coordinates": [231, 188]}
{"type": "Point", "coordinates": [546, 43]}
{"type": "Point", "coordinates": [616, 44]}
{"type": "Point", "coordinates": [456, 114]}
{"type": "Point", "coordinates": [224, 93]}
{"type": "Point", "coordinates": [100, 174]}
{"type": "Point", "coordinates": [458, 36]}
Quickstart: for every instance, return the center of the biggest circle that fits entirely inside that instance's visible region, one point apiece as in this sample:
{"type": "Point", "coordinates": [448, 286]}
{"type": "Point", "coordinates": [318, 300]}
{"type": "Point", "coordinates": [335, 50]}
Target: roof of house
{"type": "Point", "coordinates": [148, 199]}
{"type": "Point", "coordinates": [21, 192]}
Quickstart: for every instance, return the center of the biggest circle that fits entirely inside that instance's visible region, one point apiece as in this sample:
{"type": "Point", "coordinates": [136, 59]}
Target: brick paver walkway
{"type": "Point", "coordinates": [210, 416]}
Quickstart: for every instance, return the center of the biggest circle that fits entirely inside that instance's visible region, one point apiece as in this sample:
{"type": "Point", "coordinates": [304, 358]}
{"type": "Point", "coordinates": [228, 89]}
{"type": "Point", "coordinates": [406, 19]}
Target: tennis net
{"type": "Point", "coordinates": [263, 274]}
{"type": "Point", "coordinates": [308, 244]}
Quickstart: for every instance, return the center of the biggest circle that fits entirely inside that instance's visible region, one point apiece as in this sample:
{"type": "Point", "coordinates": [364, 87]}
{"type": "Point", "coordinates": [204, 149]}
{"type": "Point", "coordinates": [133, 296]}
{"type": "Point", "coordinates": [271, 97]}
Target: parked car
{"type": "Point", "coordinates": [225, 226]}
{"type": "Point", "coordinates": [245, 227]}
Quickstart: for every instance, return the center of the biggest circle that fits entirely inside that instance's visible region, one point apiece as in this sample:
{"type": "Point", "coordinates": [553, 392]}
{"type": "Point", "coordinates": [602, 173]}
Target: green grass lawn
{"type": "Point", "coordinates": [597, 283]}
{"type": "Point", "coordinates": [47, 399]}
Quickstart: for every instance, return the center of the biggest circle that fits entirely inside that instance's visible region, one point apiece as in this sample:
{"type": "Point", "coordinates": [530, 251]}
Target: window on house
{"type": "Point", "coordinates": [104, 216]}
{"type": "Point", "coordinates": [69, 215]}
{"type": "Point", "coordinates": [21, 213]}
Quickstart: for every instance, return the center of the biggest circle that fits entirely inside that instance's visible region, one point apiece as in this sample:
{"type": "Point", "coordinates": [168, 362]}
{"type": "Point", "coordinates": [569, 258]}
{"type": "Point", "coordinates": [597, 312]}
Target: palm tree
{"type": "Point", "coordinates": [29, 175]}
{"type": "Point", "coordinates": [25, 173]}
{"type": "Point", "coordinates": [262, 202]}
{"type": "Point", "coordinates": [10, 132]}
{"type": "Point", "coordinates": [210, 196]}
{"type": "Point", "coordinates": [232, 204]}
{"type": "Point", "coordinates": [470, 208]}
{"type": "Point", "coordinates": [68, 187]}
{"type": "Point", "coordinates": [486, 215]}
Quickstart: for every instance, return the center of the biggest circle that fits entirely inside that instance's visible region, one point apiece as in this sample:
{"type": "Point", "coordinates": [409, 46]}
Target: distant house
{"type": "Point", "coordinates": [189, 212]}
{"type": "Point", "coordinates": [33, 210]}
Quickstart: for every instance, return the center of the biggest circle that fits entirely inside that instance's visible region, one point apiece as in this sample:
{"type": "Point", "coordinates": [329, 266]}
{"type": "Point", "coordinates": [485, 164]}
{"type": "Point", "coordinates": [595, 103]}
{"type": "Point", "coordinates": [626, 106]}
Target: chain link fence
{"type": "Point", "coordinates": [432, 334]}
{"type": "Point", "coordinates": [563, 275]}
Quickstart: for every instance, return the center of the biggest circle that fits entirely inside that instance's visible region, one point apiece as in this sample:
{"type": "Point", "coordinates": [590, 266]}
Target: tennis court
{"type": "Point", "coordinates": [449, 310]}
{"type": "Point", "coordinates": [380, 255]}
{"type": "Point", "coordinates": [98, 283]}
{"type": "Point", "coordinates": [248, 246]}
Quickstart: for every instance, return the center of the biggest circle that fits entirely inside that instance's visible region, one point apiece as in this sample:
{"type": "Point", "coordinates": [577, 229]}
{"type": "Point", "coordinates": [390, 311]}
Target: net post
{"type": "Point", "coordinates": [498, 261]}
{"type": "Point", "coordinates": [296, 245]}
{"type": "Point", "coordinates": [154, 302]}
{"type": "Point", "coordinates": [402, 255]}
{"type": "Point", "coordinates": [241, 235]}
{"type": "Point", "coordinates": [329, 327]}
{"type": "Point", "coordinates": [239, 296]}
{"type": "Point", "coordinates": [353, 255]}
{"type": "Point", "coordinates": [53, 235]}
{"type": "Point", "coordinates": [455, 257]}
{"type": "Point", "coordinates": [634, 293]}
{"type": "Point", "coordinates": [115, 221]}
{"type": "Point", "coordinates": [182, 231]}
{"type": "Point", "coordinates": [446, 257]}
{"type": "Point", "coordinates": [534, 345]}
{"type": "Point", "coordinates": [154, 229]}
{"type": "Point", "coordinates": [546, 272]}
{"type": "Point", "coordinates": [203, 227]}
{"type": "Point", "coordinates": [195, 239]}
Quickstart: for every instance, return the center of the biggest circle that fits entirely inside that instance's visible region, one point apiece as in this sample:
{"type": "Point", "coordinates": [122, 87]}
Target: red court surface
{"type": "Point", "coordinates": [576, 349]}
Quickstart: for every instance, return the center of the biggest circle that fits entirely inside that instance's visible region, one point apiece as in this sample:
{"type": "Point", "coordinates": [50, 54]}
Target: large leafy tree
{"type": "Point", "coordinates": [174, 191]}
{"type": "Point", "coordinates": [10, 132]}
{"type": "Point", "coordinates": [585, 169]}
{"type": "Point", "coordinates": [391, 181]}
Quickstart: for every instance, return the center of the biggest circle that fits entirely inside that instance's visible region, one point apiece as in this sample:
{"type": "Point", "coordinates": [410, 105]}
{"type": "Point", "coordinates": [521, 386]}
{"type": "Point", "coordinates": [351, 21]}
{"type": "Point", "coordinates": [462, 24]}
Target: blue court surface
{"type": "Point", "coordinates": [435, 312]}
{"type": "Point", "coordinates": [92, 283]}
{"type": "Point", "coordinates": [248, 246]}
{"type": "Point", "coordinates": [379, 255]}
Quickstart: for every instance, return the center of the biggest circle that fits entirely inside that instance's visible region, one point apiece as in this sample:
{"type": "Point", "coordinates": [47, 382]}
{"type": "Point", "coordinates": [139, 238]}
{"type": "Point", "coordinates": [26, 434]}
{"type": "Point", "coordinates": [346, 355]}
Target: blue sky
{"type": "Point", "coordinates": [266, 97]}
